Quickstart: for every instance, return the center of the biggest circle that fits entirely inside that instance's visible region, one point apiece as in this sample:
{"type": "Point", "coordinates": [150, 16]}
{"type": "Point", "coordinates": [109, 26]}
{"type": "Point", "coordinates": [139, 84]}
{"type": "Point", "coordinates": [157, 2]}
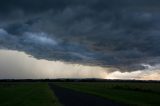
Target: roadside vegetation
{"type": "Point", "coordinates": [129, 93]}
{"type": "Point", "coordinates": [27, 94]}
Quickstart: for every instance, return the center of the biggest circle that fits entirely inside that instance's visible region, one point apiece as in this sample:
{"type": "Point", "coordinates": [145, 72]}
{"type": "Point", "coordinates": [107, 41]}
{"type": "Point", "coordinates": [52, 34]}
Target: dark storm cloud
{"type": "Point", "coordinates": [122, 34]}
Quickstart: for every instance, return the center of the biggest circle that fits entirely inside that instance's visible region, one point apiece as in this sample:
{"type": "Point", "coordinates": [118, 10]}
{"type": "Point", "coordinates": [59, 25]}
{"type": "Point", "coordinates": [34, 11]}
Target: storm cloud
{"type": "Point", "coordinates": [121, 34]}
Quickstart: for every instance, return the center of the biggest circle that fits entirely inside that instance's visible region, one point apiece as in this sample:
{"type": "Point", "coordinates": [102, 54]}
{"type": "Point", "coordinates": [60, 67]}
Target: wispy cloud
{"type": "Point", "coordinates": [41, 38]}
{"type": "Point", "coordinates": [3, 32]}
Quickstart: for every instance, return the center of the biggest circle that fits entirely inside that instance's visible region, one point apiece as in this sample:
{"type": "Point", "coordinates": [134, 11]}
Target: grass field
{"type": "Point", "coordinates": [139, 94]}
{"type": "Point", "coordinates": [26, 94]}
{"type": "Point", "coordinates": [39, 94]}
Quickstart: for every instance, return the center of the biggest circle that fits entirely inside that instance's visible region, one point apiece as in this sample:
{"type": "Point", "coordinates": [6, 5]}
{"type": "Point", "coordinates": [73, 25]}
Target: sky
{"type": "Point", "coordinates": [80, 39]}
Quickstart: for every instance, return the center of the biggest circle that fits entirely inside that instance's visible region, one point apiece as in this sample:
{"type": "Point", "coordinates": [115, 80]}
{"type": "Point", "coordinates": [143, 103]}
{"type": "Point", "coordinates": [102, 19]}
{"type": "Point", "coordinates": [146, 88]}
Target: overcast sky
{"type": "Point", "coordinates": [118, 38]}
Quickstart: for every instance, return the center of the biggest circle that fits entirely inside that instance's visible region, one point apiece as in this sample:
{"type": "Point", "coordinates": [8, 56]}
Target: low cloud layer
{"type": "Point", "coordinates": [120, 34]}
{"type": "Point", "coordinates": [149, 73]}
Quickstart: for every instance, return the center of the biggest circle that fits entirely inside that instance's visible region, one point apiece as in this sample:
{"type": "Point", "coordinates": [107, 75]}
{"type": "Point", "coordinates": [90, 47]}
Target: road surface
{"type": "Point", "coordinates": [69, 97]}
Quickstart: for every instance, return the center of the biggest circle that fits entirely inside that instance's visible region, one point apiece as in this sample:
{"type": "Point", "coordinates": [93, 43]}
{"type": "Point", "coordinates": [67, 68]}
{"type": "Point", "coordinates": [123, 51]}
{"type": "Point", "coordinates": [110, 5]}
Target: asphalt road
{"type": "Point", "coordinates": [69, 97]}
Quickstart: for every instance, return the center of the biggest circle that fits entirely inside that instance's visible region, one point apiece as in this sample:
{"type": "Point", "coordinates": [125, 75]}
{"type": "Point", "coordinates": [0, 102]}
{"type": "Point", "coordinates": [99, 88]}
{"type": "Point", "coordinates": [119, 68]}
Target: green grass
{"type": "Point", "coordinates": [139, 94]}
{"type": "Point", "coordinates": [27, 94]}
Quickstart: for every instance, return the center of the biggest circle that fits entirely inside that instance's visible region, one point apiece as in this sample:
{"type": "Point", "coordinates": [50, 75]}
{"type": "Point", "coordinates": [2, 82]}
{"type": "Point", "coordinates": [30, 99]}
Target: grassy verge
{"type": "Point", "coordinates": [27, 94]}
{"type": "Point", "coordinates": [139, 94]}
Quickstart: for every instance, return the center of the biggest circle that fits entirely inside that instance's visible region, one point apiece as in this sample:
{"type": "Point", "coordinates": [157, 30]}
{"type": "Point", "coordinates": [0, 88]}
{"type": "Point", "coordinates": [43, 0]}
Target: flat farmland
{"type": "Point", "coordinates": [127, 93]}
{"type": "Point", "coordinates": [51, 93]}
{"type": "Point", "coordinates": [26, 94]}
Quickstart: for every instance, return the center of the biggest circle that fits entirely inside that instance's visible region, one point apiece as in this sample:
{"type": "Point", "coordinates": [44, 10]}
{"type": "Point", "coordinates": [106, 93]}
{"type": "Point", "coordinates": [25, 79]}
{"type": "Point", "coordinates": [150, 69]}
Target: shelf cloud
{"type": "Point", "coordinates": [119, 34]}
